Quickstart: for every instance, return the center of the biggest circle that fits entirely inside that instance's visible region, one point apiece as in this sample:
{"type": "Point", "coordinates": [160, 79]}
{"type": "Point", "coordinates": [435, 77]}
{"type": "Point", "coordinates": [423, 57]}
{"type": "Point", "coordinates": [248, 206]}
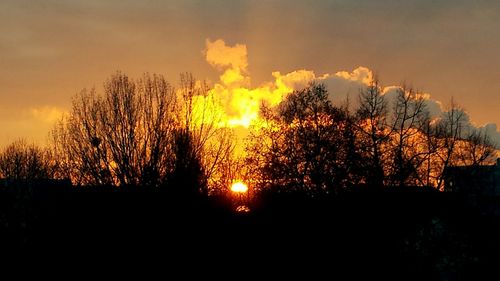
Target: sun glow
{"type": "Point", "coordinates": [233, 103]}
{"type": "Point", "coordinates": [236, 101]}
{"type": "Point", "coordinates": [239, 187]}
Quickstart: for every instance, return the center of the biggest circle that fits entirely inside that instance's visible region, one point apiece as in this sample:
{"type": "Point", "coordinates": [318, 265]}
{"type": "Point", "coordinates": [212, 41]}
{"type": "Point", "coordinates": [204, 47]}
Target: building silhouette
{"type": "Point", "coordinates": [474, 179]}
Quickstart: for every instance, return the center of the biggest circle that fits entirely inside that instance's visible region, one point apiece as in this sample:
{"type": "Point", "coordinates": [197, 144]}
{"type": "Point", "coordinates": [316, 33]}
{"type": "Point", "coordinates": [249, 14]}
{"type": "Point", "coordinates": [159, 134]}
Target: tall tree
{"type": "Point", "coordinates": [202, 131]}
{"type": "Point", "coordinates": [407, 149]}
{"type": "Point", "coordinates": [123, 137]}
{"type": "Point", "coordinates": [374, 132]}
{"type": "Point", "coordinates": [450, 131]}
{"type": "Point", "coordinates": [301, 146]}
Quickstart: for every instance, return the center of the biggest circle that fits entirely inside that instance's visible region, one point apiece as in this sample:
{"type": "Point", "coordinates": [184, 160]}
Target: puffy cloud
{"type": "Point", "coordinates": [491, 130]}
{"type": "Point", "coordinates": [343, 84]}
{"type": "Point", "coordinates": [434, 107]}
{"type": "Point", "coordinates": [468, 126]}
{"type": "Point", "coordinates": [220, 55]}
{"type": "Point", "coordinates": [294, 80]}
{"type": "Point", "coordinates": [361, 75]}
{"type": "Point", "coordinates": [232, 59]}
{"type": "Point", "coordinates": [239, 102]}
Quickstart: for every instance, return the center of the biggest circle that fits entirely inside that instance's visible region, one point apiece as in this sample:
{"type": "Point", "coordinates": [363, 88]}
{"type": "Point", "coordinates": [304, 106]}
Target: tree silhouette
{"type": "Point", "coordinates": [187, 177]}
{"type": "Point", "coordinates": [22, 161]}
{"type": "Point", "coordinates": [306, 145]}
{"type": "Point", "coordinates": [450, 131]}
{"type": "Point", "coordinates": [477, 149]}
{"type": "Point", "coordinates": [123, 137]}
{"type": "Point", "coordinates": [409, 118]}
{"type": "Point", "coordinates": [210, 144]}
{"type": "Point", "coordinates": [374, 132]}
{"type": "Point", "coordinates": [309, 145]}
{"type": "Point", "coordinates": [142, 132]}
{"type": "Point", "coordinates": [145, 132]}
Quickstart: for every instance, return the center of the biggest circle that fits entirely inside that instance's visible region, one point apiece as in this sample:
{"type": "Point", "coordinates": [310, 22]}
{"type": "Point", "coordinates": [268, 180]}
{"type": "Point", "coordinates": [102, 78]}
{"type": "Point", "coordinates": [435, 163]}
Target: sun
{"type": "Point", "coordinates": [239, 187]}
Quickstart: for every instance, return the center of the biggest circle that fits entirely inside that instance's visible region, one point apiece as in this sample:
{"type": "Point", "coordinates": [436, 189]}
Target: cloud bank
{"type": "Point", "coordinates": [240, 101]}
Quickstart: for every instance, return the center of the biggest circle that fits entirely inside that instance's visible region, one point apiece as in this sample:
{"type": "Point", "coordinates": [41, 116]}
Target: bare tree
{"type": "Point", "coordinates": [211, 142]}
{"type": "Point", "coordinates": [450, 133]}
{"type": "Point", "coordinates": [22, 161]}
{"type": "Point", "coordinates": [409, 119]}
{"type": "Point", "coordinates": [374, 131]}
{"type": "Point", "coordinates": [141, 133]}
{"type": "Point", "coordinates": [476, 149]}
{"type": "Point", "coordinates": [430, 144]}
{"type": "Point", "coordinates": [121, 138]}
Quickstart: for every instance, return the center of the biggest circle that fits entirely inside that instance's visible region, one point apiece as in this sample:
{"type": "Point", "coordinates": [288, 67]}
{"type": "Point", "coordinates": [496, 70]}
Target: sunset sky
{"type": "Point", "coordinates": [50, 50]}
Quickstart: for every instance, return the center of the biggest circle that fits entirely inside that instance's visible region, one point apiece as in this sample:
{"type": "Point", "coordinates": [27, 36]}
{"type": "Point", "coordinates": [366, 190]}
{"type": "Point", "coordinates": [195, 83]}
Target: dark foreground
{"type": "Point", "coordinates": [392, 234]}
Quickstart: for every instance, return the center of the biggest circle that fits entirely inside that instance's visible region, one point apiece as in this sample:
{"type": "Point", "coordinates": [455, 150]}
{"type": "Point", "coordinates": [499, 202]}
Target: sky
{"type": "Point", "coordinates": [50, 50]}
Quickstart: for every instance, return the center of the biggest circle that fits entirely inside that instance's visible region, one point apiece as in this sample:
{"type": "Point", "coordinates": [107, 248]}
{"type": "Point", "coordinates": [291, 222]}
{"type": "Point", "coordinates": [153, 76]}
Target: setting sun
{"type": "Point", "coordinates": [239, 187]}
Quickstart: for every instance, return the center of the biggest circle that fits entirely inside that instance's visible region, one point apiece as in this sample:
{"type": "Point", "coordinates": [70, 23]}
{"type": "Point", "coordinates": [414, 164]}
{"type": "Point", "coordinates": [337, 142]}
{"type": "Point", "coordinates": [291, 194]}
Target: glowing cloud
{"type": "Point", "coordinates": [233, 59]}
{"type": "Point", "coordinates": [361, 74]}
{"type": "Point", "coordinates": [218, 54]}
{"type": "Point", "coordinates": [237, 100]}
{"type": "Point", "coordinates": [237, 103]}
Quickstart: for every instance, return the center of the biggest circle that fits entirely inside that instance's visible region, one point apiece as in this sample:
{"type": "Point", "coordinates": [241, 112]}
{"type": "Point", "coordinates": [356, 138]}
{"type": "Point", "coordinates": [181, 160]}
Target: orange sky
{"type": "Point", "coordinates": [49, 50]}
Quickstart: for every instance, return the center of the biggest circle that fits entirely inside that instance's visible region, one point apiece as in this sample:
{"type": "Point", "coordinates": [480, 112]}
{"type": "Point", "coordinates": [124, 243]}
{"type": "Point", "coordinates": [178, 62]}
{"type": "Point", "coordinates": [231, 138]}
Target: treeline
{"type": "Point", "coordinates": [310, 145]}
{"type": "Point", "coordinates": [138, 132]}
{"type": "Point", "coordinates": [147, 133]}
